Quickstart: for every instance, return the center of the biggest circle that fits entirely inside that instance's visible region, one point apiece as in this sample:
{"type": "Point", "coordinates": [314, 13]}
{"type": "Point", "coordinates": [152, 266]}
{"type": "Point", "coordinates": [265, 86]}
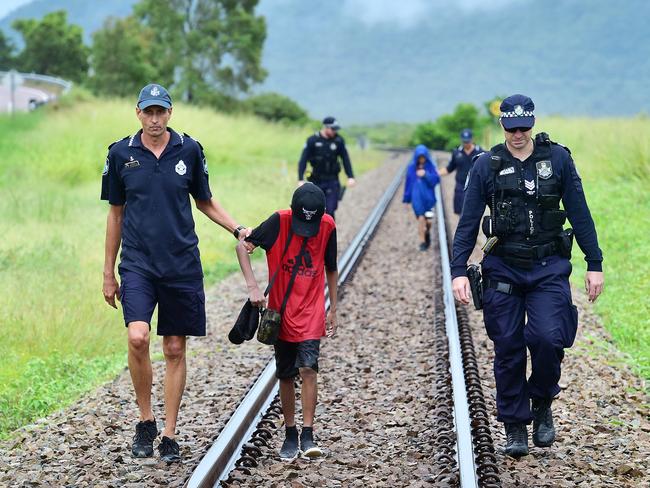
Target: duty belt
{"type": "Point", "coordinates": [523, 251]}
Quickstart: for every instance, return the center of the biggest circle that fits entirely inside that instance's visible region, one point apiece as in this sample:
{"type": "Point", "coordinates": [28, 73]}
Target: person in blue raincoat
{"type": "Point", "coordinates": [419, 191]}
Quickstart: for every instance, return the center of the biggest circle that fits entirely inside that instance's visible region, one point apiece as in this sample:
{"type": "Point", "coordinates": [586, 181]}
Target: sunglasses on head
{"type": "Point", "coordinates": [515, 129]}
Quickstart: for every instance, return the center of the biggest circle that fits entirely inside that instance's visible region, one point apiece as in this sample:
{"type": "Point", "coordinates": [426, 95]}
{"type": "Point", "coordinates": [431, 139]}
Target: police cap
{"type": "Point", "coordinates": [331, 123]}
{"type": "Point", "coordinates": [466, 135]}
{"type": "Point", "coordinates": [517, 111]}
{"type": "Point", "coordinates": [154, 94]}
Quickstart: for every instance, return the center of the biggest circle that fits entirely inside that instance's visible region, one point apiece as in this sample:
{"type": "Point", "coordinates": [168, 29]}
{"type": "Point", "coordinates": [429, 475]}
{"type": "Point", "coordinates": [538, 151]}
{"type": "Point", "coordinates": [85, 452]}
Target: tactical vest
{"type": "Point", "coordinates": [519, 214]}
{"type": "Point", "coordinates": [324, 159]}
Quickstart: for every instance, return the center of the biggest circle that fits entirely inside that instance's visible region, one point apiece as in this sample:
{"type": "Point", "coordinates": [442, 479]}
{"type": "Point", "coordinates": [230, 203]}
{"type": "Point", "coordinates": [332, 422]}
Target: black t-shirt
{"type": "Point", "coordinates": [158, 237]}
{"type": "Point", "coordinates": [265, 235]}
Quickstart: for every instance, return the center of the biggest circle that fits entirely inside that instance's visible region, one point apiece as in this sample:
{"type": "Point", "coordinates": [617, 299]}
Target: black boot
{"type": "Point", "coordinates": [516, 440]}
{"type": "Point", "coordinates": [543, 429]}
{"type": "Point", "coordinates": [289, 450]}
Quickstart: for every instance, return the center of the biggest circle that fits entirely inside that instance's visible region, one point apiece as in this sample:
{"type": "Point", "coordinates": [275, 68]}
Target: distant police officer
{"type": "Point", "coordinates": [147, 180]}
{"type": "Point", "coordinates": [526, 267]}
{"type": "Point", "coordinates": [461, 162]}
{"type": "Point", "coordinates": [323, 151]}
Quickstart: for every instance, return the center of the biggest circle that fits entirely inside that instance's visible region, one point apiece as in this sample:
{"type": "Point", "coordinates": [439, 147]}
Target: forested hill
{"type": "Point", "coordinates": [588, 57]}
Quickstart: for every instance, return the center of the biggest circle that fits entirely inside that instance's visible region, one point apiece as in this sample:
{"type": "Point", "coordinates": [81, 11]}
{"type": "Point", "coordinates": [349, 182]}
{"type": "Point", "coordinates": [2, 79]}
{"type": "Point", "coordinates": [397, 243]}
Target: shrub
{"type": "Point", "coordinates": [276, 108]}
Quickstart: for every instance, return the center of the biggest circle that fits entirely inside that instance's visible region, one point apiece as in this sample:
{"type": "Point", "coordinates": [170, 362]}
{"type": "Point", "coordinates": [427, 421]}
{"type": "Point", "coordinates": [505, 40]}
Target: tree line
{"type": "Point", "coordinates": [206, 52]}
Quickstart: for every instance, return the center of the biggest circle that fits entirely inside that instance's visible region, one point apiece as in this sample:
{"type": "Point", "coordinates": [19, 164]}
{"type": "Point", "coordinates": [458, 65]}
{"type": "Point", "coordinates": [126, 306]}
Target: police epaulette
{"type": "Point", "coordinates": [562, 146]}
{"type": "Point", "coordinates": [475, 157]}
{"type": "Point", "coordinates": [119, 140]}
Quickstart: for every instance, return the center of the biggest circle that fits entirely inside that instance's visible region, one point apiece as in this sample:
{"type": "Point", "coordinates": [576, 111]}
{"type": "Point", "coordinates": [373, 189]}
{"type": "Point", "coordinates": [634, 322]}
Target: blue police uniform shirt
{"type": "Point", "coordinates": [479, 188]}
{"type": "Point", "coordinates": [158, 237]}
{"type": "Point", "coordinates": [324, 154]}
{"type": "Point", "coordinates": [461, 162]}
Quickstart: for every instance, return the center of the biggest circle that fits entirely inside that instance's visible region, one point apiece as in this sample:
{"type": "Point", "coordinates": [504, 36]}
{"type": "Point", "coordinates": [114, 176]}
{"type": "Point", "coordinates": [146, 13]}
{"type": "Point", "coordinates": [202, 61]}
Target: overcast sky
{"type": "Point", "coordinates": [7, 6]}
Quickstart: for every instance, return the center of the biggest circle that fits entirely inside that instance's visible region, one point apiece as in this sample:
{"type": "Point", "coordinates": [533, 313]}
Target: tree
{"type": "Point", "coordinates": [6, 52]}
{"type": "Point", "coordinates": [52, 47]}
{"type": "Point", "coordinates": [276, 108]}
{"type": "Point", "coordinates": [205, 45]}
{"type": "Point", "coordinates": [121, 63]}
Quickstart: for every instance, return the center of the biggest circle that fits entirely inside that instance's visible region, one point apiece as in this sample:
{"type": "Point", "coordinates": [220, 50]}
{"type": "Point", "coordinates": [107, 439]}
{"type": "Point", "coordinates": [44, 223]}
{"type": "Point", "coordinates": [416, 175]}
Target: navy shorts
{"type": "Point", "coordinates": [181, 304]}
{"type": "Point", "coordinates": [291, 356]}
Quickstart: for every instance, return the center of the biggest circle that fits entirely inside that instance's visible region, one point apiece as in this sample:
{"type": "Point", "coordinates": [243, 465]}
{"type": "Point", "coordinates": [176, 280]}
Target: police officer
{"type": "Point", "coordinates": [323, 150]}
{"type": "Point", "coordinates": [526, 267]}
{"type": "Point", "coordinates": [461, 162]}
{"type": "Point", "coordinates": [148, 179]}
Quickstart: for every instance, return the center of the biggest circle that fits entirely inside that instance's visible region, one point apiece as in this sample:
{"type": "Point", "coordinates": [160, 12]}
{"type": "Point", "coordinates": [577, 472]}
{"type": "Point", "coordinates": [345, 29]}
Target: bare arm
{"type": "Point", "coordinates": [113, 238]}
{"type": "Point", "coordinates": [215, 212]}
{"type": "Point", "coordinates": [332, 286]}
{"type": "Point", "coordinates": [254, 293]}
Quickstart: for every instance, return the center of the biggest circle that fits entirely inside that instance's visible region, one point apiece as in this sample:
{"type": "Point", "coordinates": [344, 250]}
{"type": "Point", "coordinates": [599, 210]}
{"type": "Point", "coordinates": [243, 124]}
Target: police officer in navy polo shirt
{"type": "Point", "coordinates": [323, 150]}
{"type": "Point", "coordinates": [461, 162]}
{"type": "Point", "coordinates": [531, 187]}
{"type": "Point", "coordinates": [148, 179]}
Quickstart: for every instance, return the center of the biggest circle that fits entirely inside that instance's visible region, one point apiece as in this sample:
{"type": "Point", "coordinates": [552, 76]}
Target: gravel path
{"type": "Point", "coordinates": [601, 415]}
{"type": "Point", "coordinates": [88, 444]}
{"type": "Point", "coordinates": [376, 384]}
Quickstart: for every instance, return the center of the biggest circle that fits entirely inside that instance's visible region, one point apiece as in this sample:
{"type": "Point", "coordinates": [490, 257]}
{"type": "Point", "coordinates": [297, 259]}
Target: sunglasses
{"type": "Point", "coordinates": [515, 129]}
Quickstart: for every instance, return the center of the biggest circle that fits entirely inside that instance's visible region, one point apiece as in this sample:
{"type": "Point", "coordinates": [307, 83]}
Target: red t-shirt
{"type": "Point", "coordinates": [304, 315]}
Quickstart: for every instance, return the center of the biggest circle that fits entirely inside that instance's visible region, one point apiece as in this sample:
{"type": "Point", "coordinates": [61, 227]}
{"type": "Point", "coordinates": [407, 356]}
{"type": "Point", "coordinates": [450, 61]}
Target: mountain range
{"type": "Point", "coordinates": [378, 60]}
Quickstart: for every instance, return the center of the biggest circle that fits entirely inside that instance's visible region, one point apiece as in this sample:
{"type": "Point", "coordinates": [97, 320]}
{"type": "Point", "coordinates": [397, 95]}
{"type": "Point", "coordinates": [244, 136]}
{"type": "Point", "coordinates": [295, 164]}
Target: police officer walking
{"type": "Point", "coordinates": [323, 150]}
{"type": "Point", "coordinates": [461, 162]}
{"type": "Point", "coordinates": [527, 298]}
{"type": "Point", "coordinates": [148, 179]}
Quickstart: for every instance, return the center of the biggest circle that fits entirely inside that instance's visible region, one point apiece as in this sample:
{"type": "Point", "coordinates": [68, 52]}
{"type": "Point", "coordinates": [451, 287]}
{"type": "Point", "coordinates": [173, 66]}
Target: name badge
{"type": "Point", "coordinates": [133, 163]}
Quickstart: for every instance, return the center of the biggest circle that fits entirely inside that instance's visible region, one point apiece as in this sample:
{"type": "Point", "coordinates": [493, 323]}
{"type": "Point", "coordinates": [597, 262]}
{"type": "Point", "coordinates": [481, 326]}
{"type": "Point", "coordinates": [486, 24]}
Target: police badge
{"type": "Point", "coordinates": [544, 169]}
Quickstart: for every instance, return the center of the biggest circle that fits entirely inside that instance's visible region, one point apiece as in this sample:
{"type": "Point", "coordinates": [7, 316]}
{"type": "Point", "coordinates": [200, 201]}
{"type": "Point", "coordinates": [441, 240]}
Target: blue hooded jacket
{"type": "Point", "coordinates": [420, 191]}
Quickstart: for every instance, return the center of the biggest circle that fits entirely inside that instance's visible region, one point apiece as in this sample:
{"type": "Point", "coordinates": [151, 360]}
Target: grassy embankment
{"type": "Point", "coordinates": [58, 336]}
{"type": "Point", "coordinates": [613, 159]}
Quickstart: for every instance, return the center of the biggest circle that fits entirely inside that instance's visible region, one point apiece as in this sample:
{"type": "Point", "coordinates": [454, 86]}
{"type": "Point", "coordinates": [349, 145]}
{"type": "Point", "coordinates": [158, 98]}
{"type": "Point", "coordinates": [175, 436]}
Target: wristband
{"type": "Point", "coordinates": [237, 230]}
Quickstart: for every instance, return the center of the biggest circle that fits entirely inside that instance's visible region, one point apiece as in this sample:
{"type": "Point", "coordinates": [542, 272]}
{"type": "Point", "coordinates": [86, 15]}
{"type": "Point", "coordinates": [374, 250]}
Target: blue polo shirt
{"type": "Point", "coordinates": [461, 162]}
{"type": "Point", "coordinates": [158, 237]}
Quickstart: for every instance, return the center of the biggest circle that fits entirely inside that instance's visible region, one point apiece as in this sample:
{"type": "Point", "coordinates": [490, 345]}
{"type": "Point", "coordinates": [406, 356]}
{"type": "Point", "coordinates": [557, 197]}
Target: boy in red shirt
{"type": "Point", "coordinates": [283, 237]}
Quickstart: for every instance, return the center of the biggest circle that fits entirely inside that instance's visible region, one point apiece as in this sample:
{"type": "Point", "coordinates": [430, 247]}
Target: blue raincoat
{"type": "Point", "coordinates": [420, 191]}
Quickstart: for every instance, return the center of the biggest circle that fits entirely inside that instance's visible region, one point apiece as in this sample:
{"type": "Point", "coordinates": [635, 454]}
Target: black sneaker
{"type": "Point", "coordinates": [543, 429]}
{"type": "Point", "coordinates": [423, 246]}
{"type": "Point", "coordinates": [516, 440]}
{"type": "Point", "coordinates": [427, 238]}
{"type": "Point", "coordinates": [289, 450]}
{"type": "Point", "coordinates": [145, 433]}
{"type": "Point", "coordinates": [169, 450]}
{"type": "Point", "coordinates": [308, 447]}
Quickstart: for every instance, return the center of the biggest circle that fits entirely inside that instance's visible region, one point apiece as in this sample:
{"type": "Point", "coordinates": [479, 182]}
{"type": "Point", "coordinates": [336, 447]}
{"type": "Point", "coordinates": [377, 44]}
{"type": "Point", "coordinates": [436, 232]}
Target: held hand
{"type": "Point", "coordinates": [351, 182]}
{"type": "Point", "coordinates": [243, 234]}
{"type": "Point", "coordinates": [256, 297]}
{"type": "Point", "coordinates": [330, 324]}
{"type": "Point", "coordinates": [111, 290]}
{"type": "Point", "coordinates": [461, 289]}
{"type": "Point", "coordinates": [594, 283]}
{"type": "Point", "coordinates": [420, 173]}
{"type": "Point", "coordinates": [301, 182]}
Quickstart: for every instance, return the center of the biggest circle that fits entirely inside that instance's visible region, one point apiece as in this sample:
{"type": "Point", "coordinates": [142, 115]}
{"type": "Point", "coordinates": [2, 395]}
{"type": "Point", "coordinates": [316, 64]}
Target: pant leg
{"type": "Point", "coordinates": [331, 189]}
{"type": "Point", "coordinates": [504, 321]}
{"type": "Point", "coordinates": [459, 196]}
{"type": "Point", "coordinates": [552, 324]}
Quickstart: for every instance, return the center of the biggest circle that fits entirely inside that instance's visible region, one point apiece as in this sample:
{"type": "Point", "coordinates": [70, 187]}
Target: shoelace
{"type": "Point", "coordinates": [516, 435]}
{"type": "Point", "coordinates": [143, 434]}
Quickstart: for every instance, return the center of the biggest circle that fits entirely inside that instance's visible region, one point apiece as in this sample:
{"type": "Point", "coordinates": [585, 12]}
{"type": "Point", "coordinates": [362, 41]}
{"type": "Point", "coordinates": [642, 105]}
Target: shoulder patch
{"type": "Point", "coordinates": [106, 165]}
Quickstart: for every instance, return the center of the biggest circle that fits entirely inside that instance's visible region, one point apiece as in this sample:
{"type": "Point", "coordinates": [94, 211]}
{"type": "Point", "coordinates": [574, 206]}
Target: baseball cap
{"type": "Point", "coordinates": [466, 135]}
{"type": "Point", "coordinates": [154, 94]}
{"type": "Point", "coordinates": [331, 123]}
{"type": "Point", "coordinates": [517, 111]}
{"type": "Point", "coordinates": [307, 209]}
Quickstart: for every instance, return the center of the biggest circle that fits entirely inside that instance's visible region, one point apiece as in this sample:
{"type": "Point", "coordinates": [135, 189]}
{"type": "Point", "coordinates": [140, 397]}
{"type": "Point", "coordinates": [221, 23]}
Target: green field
{"type": "Point", "coordinates": [59, 337]}
{"type": "Point", "coordinates": [613, 159]}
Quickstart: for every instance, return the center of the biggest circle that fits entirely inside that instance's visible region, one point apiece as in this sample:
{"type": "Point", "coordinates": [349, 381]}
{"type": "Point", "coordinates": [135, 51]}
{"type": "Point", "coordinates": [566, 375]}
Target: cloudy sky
{"type": "Point", "coordinates": [7, 6]}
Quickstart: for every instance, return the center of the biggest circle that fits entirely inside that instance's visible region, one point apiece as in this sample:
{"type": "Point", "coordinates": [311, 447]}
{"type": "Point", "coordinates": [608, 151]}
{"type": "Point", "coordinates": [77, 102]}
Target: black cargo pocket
{"type": "Point", "coordinates": [570, 325]}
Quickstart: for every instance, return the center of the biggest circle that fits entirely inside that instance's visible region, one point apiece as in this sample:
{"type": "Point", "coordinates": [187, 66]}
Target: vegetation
{"type": "Point", "coordinates": [59, 337]}
{"type": "Point", "coordinates": [52, 47]}
{"type": "Point", "coordinates": [276, 108]}
{"type": "Point", "coordinates": [6, 52]}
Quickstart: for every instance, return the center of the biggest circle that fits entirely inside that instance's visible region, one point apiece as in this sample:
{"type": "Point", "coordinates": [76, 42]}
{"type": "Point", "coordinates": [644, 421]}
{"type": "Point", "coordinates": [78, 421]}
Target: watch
{"type": "Point", "coordinates": [238, 230]}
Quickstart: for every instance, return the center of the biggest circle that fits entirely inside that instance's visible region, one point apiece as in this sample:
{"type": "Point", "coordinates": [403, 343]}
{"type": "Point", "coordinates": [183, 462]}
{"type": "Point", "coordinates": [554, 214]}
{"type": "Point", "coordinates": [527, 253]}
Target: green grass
{"type": "Point", "coordinates": [613, 159]}
{"type": "Point", "coordinates": [59, 338]}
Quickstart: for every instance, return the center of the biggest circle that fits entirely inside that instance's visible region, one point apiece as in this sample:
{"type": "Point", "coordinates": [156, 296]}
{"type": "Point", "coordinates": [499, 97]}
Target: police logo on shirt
{"type": "Point", "coordinates": [205, 165]}
{"type": "Point", "coordinates": [180, 168]}
{"type": "Point", "coordinates": [544, 169]}
{"type": "Point", "coordinates": [333, 146]}
{"type": "Point", "coordinates": [105, 171]}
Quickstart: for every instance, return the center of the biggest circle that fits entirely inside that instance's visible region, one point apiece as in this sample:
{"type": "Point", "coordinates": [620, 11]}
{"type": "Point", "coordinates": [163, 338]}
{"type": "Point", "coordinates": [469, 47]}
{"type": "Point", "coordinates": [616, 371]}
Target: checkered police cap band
{"type": "Point", "coordinates": [525, 113]}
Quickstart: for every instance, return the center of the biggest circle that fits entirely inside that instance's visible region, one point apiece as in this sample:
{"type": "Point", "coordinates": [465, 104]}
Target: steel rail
{"type": "Point", "coordinates": [464, 445]}
{"type": "Point", "coordinates": [222, 456]}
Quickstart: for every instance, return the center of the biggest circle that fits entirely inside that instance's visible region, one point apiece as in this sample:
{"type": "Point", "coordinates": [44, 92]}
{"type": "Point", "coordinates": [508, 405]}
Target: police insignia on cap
{"type": "Point", "coordinates": [519, 110]}
{"type": "Point", "coordinates": [180, 168]}
{"type": "Point", "coordinates": [155, 91]}
{"type": "Point", "coordinates": [544, 169]}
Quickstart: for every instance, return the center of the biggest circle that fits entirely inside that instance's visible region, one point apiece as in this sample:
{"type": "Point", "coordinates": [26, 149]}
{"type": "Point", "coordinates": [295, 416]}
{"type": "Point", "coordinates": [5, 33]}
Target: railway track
{"type": "Point", "coordinates": [464, 452]}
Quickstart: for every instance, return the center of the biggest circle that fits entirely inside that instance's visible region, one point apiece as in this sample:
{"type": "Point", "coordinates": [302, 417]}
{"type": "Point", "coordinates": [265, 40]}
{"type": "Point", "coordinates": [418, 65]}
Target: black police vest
{"type": "Point", "coordinates": [520, 212]}
{"type": "Point", "coordinates": [324, 159]}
